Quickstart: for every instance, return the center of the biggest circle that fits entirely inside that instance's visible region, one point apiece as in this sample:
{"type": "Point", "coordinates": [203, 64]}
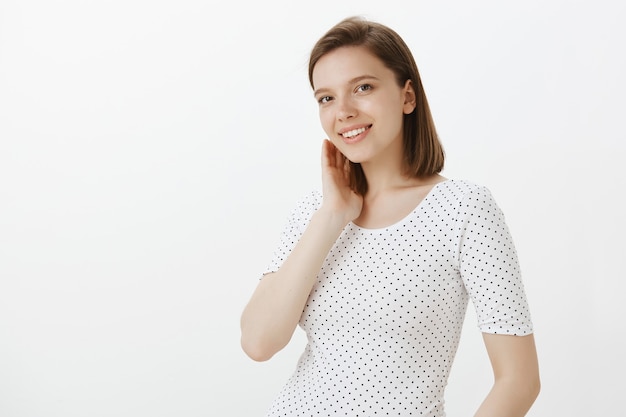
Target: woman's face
{"type": "Point", "coordinates": [361, 105]}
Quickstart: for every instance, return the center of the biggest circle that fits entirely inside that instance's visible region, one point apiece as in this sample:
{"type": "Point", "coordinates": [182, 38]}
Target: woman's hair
{"type": "Point", "coordinates": [423, 152]}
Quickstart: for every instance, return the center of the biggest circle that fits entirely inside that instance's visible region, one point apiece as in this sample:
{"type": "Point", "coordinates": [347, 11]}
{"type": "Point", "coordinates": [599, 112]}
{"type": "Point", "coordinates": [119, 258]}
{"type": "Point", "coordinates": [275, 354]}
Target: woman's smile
{"type": "Point", "coordinates": [352, 135]}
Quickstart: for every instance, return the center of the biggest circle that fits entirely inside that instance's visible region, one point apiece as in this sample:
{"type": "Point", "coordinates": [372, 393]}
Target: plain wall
{"type": "Point", "coordinates": [150, 152]}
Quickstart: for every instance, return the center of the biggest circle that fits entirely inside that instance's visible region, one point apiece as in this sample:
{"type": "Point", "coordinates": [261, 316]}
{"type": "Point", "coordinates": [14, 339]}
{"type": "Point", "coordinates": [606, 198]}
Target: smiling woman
{"type": "Point", "coordinates": [356, 91]}
{"type": "Point", "coordinates": [388, 56]}
{"type": "Point", "coordinates": [378, 269]}
{"type": "Point", "coordinates": [149, 152]}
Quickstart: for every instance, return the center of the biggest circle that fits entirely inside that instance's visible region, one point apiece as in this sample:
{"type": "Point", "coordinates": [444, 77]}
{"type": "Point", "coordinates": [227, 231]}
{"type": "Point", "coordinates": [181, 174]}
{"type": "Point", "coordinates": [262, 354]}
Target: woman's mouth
{"type": "Point", "coordinates": [354, 135]}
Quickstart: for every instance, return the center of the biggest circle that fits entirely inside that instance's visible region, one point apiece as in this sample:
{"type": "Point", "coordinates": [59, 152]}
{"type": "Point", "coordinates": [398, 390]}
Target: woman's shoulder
{"type": "Point", "coordinates": [307, 203]}
{"type": "Point", "coordinates": [311, 198]}
{"type": "Point", "coordinates": [460, 188]}
{"type": "Point", "coordinates": [470, 198]}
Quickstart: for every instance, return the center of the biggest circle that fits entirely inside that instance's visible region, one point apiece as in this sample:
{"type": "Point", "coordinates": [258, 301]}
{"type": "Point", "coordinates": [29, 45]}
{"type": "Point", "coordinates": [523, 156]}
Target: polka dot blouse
{"type": "Point", "coordinates": [384, 319]}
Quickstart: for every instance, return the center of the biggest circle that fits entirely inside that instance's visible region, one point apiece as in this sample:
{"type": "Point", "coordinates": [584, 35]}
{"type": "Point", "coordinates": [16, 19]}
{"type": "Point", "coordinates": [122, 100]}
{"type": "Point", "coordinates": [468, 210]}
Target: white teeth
{"type": "Point", "coordinates": [354, 132]}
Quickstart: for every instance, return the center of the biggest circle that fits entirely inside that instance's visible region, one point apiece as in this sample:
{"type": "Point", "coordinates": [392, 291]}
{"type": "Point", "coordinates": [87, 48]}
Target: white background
{"type": "Point", "coordinates": [150, 152]}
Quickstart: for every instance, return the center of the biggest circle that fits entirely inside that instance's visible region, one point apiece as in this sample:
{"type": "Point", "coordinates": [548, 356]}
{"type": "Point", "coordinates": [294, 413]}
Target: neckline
{"type": "Point", "coordinates": [403, 219]}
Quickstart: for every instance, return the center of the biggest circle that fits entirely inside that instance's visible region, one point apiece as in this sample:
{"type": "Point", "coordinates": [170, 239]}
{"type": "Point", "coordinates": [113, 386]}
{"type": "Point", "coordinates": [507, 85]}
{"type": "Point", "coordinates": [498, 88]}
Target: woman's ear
{"type": "Point", "coordinates": [409, 97]}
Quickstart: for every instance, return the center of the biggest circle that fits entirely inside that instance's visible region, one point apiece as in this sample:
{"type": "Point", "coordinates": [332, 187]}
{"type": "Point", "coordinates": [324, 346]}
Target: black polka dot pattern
{"type": "Point", "coordinates": [384, 319]}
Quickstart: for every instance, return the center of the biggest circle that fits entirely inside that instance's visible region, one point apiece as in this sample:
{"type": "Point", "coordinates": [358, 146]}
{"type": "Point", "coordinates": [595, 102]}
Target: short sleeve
{"type": "Point", "coordinates": [489, 266]}
{"type": "Point", "coordinates": [295, 226]}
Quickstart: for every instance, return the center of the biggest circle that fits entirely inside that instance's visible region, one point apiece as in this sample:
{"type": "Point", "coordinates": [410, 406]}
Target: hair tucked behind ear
{"type": "Point", "coordinates": [423, 152]}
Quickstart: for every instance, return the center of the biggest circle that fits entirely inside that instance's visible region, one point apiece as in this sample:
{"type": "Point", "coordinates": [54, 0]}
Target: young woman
{"type": "Point", "coordinates": [378, 268]}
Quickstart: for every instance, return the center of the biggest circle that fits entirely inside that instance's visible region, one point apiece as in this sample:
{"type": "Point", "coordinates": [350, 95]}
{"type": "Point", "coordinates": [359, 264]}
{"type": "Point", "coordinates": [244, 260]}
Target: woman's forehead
{"type": "Point", "coordinates": [345, 64]}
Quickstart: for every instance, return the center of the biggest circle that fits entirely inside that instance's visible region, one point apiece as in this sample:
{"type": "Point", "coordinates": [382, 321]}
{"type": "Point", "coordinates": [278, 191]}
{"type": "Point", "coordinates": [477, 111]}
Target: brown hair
{"type": "Point", "coordinates": [423, 152]}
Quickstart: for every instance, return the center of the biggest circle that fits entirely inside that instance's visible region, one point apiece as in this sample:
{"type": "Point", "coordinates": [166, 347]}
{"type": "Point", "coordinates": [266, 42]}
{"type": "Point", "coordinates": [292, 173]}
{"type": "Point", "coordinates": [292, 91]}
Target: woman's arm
{"type": "Point", "coordinates": [272, 314]}
{"type": "Point", "coordinates": [516, 376]}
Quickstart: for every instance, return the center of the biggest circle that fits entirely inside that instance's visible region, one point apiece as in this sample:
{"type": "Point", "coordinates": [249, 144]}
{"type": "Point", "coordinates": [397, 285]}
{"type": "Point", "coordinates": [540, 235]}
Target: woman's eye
{"type": "Point", "coordinates": [364, 87]}
{"type": "Point", "coordinates": [324, 99]}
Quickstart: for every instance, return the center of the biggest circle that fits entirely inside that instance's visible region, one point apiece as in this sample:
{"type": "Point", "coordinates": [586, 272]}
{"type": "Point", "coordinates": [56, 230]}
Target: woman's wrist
{"type": "Point", "coordinates": [331, 220]}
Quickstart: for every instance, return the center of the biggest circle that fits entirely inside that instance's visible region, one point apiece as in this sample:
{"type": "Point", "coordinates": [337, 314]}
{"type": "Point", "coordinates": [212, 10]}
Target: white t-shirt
{"type": "Point", "coordinates": [384, 319]}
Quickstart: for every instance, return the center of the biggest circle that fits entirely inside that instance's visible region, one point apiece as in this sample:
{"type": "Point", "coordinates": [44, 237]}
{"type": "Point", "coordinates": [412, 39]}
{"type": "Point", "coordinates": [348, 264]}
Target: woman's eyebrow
{"type": "Point", "coordinates": [349, 82]}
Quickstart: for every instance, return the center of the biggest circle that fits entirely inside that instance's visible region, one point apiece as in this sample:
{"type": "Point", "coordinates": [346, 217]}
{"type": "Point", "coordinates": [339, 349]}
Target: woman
{"type": "Point", "coordinates": [379, 267]}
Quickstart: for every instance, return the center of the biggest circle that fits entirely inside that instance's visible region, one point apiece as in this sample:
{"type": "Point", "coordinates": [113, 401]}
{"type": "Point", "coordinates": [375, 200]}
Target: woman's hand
{"type": "Point", "coordinates": [339, 198]}
{"type": "Point", "coordinates": [274, 310]}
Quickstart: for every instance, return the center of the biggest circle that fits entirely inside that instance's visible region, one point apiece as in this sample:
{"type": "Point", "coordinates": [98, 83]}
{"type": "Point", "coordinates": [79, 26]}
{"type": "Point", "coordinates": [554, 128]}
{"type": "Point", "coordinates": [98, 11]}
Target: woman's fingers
{"type": "Point", "coordinates": [335, 163]}
{"type": "Point", "coordinates": [346, 168]}
{"type": "Point", "coordinates": [339, 159]}
{"type": "Point", "coordinates": [328, 154]}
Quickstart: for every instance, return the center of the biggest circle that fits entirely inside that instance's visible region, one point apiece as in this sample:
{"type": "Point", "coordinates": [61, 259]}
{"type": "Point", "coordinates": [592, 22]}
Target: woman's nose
{"type": "Point", "coordinates": [346, 110]}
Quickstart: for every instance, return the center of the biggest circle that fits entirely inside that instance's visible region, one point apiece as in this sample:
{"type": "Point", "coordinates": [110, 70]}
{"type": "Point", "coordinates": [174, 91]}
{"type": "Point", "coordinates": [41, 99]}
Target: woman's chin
{"type": "Point", "coordinates": [356, 158]}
